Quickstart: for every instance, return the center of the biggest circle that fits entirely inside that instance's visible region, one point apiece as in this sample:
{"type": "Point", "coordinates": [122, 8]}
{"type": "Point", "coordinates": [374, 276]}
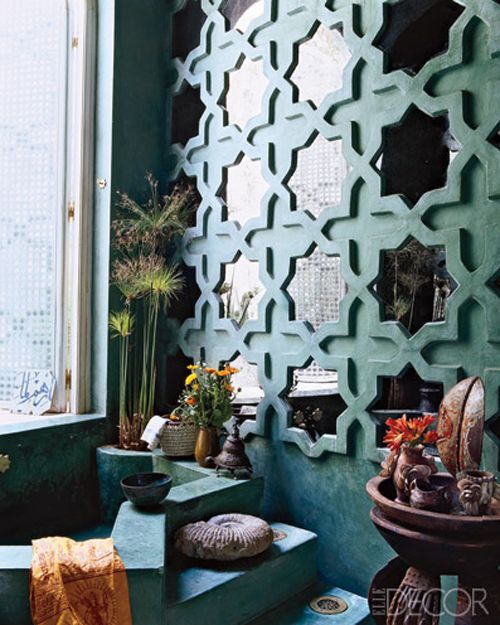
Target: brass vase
{"type": "Point", "coordinates": [207, 446]}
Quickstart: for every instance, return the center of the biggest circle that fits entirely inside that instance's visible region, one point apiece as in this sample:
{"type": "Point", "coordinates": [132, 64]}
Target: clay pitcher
{"type": "Point", "coordinates": [411, 464]}
{"type": "Point", "coordinates": [207, 445]}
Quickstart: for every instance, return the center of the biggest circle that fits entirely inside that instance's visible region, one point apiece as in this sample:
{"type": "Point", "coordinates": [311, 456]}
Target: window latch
{"type": "Point", "coordinates": [71, 210]}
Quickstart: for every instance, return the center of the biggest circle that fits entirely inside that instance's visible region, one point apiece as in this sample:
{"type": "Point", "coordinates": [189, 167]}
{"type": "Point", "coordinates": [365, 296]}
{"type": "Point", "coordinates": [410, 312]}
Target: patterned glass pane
{"type": "Point", "coordinates": [33, 39]}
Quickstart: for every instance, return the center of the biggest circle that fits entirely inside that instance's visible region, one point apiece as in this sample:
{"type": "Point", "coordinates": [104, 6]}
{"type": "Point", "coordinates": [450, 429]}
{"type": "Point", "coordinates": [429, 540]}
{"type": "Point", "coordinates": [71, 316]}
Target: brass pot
{"type": "Point", "coordinates": [207, 446]}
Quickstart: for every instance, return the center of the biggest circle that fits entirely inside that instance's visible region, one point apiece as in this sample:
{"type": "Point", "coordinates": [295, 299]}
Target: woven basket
{"type": "Point", "coordinates": [179, 439]}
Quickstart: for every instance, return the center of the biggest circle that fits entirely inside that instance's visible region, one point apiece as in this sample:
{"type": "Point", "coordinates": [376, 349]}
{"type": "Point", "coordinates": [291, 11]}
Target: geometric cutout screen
{"type": "Point", "coordinates": [321, 205]}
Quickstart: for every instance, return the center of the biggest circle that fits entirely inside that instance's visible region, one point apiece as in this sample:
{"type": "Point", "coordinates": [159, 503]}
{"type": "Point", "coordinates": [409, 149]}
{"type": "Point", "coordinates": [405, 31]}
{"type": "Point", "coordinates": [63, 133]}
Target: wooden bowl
{"type": "Point", "coordinates": [460, 426]}
{"type": "Point", "coordinates": [383, 494]}
{"type": "Point", "coordinates": [476, 557]}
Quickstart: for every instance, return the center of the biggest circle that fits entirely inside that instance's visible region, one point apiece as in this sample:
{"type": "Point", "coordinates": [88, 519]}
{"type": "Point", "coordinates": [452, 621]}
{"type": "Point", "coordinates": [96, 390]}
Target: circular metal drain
{"type": "Point", "coordinates": [328, 604]}
{"type": "Point", "coordinates": [279, 535]}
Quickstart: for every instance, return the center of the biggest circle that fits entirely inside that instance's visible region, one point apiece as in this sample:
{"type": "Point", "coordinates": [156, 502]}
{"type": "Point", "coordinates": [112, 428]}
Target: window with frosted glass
{"type": "Point", "coordinates": [33, 46]}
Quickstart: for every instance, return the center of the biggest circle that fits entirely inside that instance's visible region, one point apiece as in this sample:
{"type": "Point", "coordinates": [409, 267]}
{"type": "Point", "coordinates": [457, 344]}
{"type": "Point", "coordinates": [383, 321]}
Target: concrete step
{"type": "Point", "coordinates": [210, 495]}
{"type": "Point", "coordinates": [235, 593]}
{"type": "Point", "coordinates": [297, 610]}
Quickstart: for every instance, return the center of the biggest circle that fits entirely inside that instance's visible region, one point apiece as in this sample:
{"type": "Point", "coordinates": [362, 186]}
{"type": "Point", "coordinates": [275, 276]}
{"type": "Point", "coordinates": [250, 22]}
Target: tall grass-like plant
{"type": "Point", "coordinates": [122, 325]}
{"type": "Point", "coordinates": [143, 236]}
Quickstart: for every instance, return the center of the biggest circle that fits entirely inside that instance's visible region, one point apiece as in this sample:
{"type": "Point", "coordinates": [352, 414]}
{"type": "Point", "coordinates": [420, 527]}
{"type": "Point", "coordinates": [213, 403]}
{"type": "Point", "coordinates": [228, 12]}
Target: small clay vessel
{"type": "Point", "coordinates": [434, 494]}
{"type": "Point", "coordinates": [476, 490]}
{"type": "Point", "coordinates": [207, 446]}
{"type": "Point", "coordinates": [411, 464]}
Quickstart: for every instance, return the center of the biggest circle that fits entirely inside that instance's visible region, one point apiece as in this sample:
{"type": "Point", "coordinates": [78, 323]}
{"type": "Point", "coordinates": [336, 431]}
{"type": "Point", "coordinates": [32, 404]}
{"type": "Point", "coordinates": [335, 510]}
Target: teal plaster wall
{"type": "Point", "coordinates": [139, 118]}
{"type": "Point", "coordinates": [327, 496]}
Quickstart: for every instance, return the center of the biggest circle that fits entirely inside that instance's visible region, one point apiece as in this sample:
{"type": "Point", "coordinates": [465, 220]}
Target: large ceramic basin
{"type": "Point", "coordinates": [452, 526]}
{"type": "Point", "coordinates": [452, 555]}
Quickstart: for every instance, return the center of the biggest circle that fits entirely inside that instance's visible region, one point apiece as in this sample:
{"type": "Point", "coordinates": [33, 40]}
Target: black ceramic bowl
{"type": "Point", "coordinates": [146, 489]}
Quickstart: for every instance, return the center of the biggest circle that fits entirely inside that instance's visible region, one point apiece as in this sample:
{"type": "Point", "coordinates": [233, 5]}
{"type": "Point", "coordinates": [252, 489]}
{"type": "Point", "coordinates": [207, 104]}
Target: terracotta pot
{"type": "Point", "coordinates": [435, 494]}
{"type": "Point", "coordinates": [476, 489]}
{"type": "Point", "coordinates": [411, 465]}
{"type": "Point", "coordinates": [207, 445]}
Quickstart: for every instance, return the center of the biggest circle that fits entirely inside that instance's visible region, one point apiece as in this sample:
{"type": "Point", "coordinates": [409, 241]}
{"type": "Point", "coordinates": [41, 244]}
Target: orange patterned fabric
{"type": "Point", "coordinates": [78, 583]}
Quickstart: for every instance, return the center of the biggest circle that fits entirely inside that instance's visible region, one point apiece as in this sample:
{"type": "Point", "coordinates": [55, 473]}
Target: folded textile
{"type": "Point", "coordinates": [153, 431]}
{"type": "Point", "coordinates": [78, 583]}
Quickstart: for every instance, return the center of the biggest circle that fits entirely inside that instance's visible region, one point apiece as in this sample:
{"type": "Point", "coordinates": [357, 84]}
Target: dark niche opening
{"type": "Point", "coordinates": [415, 285]}
{"type": "Point", "coordinates": [415, 155]}
{"type": "Point", "coordinates": [494, 137]}
{"type": "Point", "coordinates": [187, 24]}
{"type": "Point", "coordinates": [407, 394]}
{"type": "Point", "coordinates": [316, 401]}
{"type": "Point", "coordinates": [187, 109]}
{"type": "Point", "coordinates": [416, 31]}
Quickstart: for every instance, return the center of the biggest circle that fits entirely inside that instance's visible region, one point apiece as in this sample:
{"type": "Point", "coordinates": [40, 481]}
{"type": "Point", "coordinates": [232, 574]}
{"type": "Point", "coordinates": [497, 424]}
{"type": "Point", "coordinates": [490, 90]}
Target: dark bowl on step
{"type": "Point", "coordinates": [146, 489]}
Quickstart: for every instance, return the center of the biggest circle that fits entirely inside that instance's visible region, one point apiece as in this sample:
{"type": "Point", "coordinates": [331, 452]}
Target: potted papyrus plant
{"type": "Point", "coordinates": [148, 282]}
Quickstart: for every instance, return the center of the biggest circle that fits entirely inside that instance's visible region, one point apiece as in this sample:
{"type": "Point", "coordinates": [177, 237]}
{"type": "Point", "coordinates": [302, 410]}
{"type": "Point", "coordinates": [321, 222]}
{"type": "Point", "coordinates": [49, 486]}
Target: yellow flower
{"type": "Point", "coordinates": [232, 369]}
{"type": "Point", "coordinates": [193, 367]}
{"type": "Point", "coordinates": [210, 370]}
{"type": "Point", "coordinates": [191, 378]}
{"type": "Point", "coordinates": [223, 373]}
{"type": "Point", "coordinates": [229, 388]}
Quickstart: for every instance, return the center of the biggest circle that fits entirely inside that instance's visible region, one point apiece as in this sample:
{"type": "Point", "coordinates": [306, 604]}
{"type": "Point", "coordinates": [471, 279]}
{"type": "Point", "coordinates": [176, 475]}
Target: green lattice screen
{"type": "Point", "coordinates": [461, 217]}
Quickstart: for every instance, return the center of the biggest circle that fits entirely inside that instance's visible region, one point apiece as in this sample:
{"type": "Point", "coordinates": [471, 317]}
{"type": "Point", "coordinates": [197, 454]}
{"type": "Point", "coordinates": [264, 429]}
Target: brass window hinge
{"type": "Point", "coordinates": [71, 210]}
{"type": "Point", "coordinates": [74, 42]}
{"type": "Point", "coordinates": [67, 379]}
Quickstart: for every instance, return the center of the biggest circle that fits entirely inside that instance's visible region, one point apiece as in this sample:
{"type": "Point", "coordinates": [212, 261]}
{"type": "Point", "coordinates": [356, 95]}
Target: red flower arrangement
{"type": "Point", "coordinates": [412, 432]}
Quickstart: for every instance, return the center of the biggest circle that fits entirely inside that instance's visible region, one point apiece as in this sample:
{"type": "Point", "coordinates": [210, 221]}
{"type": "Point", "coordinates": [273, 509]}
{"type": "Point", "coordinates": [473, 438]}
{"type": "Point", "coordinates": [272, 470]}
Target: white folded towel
{"type": "Point", "coordinates": [153, 431]}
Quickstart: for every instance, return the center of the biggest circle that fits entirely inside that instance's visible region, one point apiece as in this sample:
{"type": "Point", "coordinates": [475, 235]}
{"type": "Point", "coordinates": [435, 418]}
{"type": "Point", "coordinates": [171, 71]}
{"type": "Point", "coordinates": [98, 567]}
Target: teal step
{"type": "Point", "coordinates": [298, 612]}
{"type": "Point", "coordinates": [235, 593]}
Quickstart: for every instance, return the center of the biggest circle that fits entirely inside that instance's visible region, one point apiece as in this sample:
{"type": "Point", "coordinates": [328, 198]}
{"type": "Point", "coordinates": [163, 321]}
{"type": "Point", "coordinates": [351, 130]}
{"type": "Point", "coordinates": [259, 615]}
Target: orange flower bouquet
{"type": "Point", "coordinates": [207, 395]}
{"type": "Point", "coordinates": [410, 432]}
{"type": "Point", "coordinates": [407, 438]}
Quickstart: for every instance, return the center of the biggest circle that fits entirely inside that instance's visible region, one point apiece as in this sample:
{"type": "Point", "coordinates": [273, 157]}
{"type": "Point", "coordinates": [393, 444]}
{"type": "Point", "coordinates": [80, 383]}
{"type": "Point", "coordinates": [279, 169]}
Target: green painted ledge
{"type": "Point", "coordinates": [47, 421]}
{"type": "Point", "coordinates": [114, 464]}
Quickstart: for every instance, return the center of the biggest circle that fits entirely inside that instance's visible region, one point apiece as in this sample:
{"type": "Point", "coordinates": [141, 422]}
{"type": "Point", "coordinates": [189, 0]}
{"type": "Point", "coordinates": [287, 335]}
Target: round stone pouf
{"type": "Point", "coordinates": [225, 537]}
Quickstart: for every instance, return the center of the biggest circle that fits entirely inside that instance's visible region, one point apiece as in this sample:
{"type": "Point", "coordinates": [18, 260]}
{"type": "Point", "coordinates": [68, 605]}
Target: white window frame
{"type": "Point", "coordinates": [82, 39]}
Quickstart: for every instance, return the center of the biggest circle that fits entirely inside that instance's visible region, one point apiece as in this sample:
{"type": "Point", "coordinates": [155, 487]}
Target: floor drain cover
{"type": "Point", "coordinates": [279, 535]}
{"type": "Point", "coordinates": [328, 604]}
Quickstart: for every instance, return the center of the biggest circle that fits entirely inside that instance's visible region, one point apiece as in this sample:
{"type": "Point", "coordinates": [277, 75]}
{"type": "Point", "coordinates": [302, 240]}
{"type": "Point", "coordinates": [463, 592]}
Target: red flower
{"type": "Point", "coordinates": [411, 431]}
{"type": "Point", "coordinates": [398, 433]}
{"type": "Point", "coordinates": [430, 438]}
